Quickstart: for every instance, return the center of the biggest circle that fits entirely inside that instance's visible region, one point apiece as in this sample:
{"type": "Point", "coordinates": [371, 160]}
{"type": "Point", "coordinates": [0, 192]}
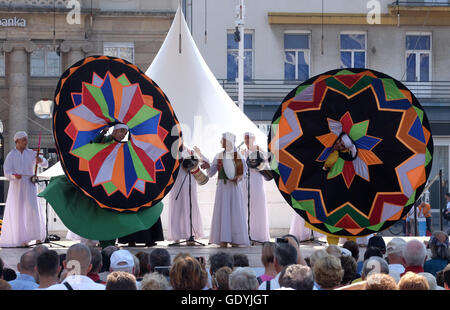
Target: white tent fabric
{"type": "Point", "coordinates": [201, 105]}
{"type": "Point", "coordinates": [53, 171]}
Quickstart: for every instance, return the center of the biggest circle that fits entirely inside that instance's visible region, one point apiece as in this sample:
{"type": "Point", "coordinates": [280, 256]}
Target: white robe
{"type": "Point", "coordinates": [299, 230]}
{"type": "Point", "coordinates": [228, 221]}
{"type": "Point", "coordinates": [179, 226]}
{"type": "Point", "coordinates": [24, 218]}
{"type": "Point", "coordinates": [259, 219]}
{"type": "Point", "coordinates": [74, 237]}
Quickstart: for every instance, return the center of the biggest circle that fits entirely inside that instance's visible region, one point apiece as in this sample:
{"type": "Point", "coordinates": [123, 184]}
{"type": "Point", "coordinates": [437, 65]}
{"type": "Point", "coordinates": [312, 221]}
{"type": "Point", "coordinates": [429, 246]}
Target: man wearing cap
{"type": "Point", "coordinates": [24, 219]}
{"type": "Point", "coordinates": [394, 251]}
{"type": "Point", "coordinates": [228, 222]}
{"type": "Point", "coordinates": [259, 220]}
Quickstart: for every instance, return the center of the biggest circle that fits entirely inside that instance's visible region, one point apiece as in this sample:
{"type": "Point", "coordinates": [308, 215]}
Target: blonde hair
{"type": "Point", "coordinates": [328, 272]}
{"type": "Point", "coordinates": [381, 281]}
{"type": "Point", "coordinates": [187, 273]}
{"type": "Point", "coordinates": [221, 278]}
{"type": "Point", "coordinates": [154, 282]}
{"type": "Point", "coordinates": [413, 282]}
{"type": "Point", "coordinates": [316, 255]}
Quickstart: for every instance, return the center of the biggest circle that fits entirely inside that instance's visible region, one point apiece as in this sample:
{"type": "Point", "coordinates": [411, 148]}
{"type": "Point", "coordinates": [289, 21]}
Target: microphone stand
{"type": "Point", "coordinates": [191, 241]}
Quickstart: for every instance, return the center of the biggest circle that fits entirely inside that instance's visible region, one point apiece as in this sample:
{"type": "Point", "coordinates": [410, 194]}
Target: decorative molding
{"type": "Point", "coordinates": [68, 45]}
{"type": "Point", "coordinates": [9, 45]}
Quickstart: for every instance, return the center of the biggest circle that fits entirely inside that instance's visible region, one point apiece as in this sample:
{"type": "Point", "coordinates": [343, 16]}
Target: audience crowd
{"type": "Point", "coordinates": [397, 265]}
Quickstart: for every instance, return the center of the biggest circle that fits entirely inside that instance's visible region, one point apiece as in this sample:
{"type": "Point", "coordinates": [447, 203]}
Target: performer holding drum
{"type": "Point", "coordinates": [180, 198]}
{"type": "Point", "coordinates": [228, 221]}
{"type": "Point", "coordinates": [253, 180]}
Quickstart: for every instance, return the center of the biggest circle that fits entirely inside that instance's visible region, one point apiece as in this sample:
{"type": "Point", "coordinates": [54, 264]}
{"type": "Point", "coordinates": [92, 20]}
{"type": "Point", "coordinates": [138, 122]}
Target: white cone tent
{"type": "Point", "coordinates": [201, 105]}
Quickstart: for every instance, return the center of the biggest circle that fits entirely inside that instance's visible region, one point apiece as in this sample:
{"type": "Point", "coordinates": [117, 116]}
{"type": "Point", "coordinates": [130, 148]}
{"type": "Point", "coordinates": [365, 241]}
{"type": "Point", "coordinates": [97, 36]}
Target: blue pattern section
{"type": "Point", "coordinates": [130, 173]}
{"type": "Point", "coordinates": [108, 94]}
{"type": "Point", "coordinates": [416, 131]}
{"type": "Point", "coordinates": [148, 127]}
{"type": "Point", "coordinates": [84, 137]}
{"type": "Point", "coordinates": [285, 172]}
{"type": "Point", "coordinates": [300, 195]}
{"type": "Point", "coordinates": [76, 99]}
{"type": "Point", "coordinates": [398, 104]}
{"type": "Point", "coordinates": [159, 166]}
{"type": "Point", "coordinates": [366, 142]}
{"type": "Point", "coordinates": [325, 154]}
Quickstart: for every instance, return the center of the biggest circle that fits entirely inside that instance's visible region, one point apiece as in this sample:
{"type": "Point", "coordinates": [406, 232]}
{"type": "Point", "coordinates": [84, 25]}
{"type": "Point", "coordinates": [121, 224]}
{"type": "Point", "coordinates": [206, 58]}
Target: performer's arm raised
{"type": "Point", "coordinates": [212, 170]}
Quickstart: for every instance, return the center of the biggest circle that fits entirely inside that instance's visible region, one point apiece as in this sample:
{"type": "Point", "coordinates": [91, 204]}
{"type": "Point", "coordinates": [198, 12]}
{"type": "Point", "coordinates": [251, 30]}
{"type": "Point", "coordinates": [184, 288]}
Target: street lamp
{"type": "Point", "coordinates": [43, 108]}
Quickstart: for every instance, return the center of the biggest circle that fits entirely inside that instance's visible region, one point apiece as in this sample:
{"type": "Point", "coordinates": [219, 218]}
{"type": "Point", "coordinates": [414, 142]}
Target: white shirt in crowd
{"type": "Point", "coordinates": [78, 282]}
{"type": "Point", "coordinates": [273, 284]}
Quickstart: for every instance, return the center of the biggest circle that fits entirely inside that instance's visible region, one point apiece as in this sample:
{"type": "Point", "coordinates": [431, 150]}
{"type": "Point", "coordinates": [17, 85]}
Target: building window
{"type": "Point", "coordinates": [2, 63]}
{"type": "Point", "coordinates": [353, 50]}
{"type": "Point", "coordinates": [45, 61]}
{"type": "Point", "coordinates": [232, 57]}
{"type": "Point", "coordinates": [124, 50]}
{"type": "Point", "coordinates": [418, 55]}
{"type": "Point", "coordinates": [296, 56]}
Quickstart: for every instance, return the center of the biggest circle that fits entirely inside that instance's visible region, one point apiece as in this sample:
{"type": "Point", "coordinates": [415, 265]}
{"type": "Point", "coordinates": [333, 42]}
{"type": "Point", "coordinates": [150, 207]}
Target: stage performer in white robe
{"type": "Point", "coordinates": [24, 218]}
{"type": "Point", "coordinates": [179, 226]}
{"type": "Point", "coordinates": [228, 222]}
{"type": "Point", "coordinates": [299, 230]}
{"type": "Point", "coordinates": [259, 219]}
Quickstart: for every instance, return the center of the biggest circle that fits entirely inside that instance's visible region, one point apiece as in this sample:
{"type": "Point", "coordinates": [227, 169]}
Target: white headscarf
{"type": "Point", "coordinates": [119, 126]}
{"type": "Point", "coordinates": [229, 137]}
{"type": "Point", "coordinates": [349, 144]}
{"type": "Point", "coordinates": [20, 135]}
{"type": "Point", "coordinates": [249, 134]}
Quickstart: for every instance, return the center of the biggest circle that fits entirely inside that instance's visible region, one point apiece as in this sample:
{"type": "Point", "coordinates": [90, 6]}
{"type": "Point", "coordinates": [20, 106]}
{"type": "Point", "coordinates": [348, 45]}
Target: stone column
{"type": "Point", "coordinates": [17, 81]}
{"type": "Point", "coordinates": [75, 51]}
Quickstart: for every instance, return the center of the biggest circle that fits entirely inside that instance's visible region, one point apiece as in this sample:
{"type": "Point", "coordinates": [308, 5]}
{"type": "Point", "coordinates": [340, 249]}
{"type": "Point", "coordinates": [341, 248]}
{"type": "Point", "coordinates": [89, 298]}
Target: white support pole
{"type": "Point", "coordinates": [240, 24]}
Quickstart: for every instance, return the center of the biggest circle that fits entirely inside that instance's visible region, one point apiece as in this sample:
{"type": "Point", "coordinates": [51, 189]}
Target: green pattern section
{"type": "Point", "coordinates": [391, 90]}
{"type": "Point", "coordinates": [332, 229]}
{"type": "Point", "coordinates": [110, 187]}
{"type": "Point", "coordinates": [123, 80]}
{"type": "Point", "coordinates": [139, 167]}
{"type": "Point", "coordinates": [428, 157]}
{"type": "Point", "coordinates": [89, 150]}
{"type": "Point", "coordinates": [345, 72]}
{"type": "Point", "coordinates": [100, 99]}
{"type": "Point", "coordinates": [359, 130]}
{"type": "Point", "coordinates": [306, 205]}
{"type": "Point", "coordinates": [411, 199]}
{"type": "Point", "coordinates": [336, 169]}
{"type": "Point", "coordinates": [348, 209]}
{"type": "Point", "coordinates": [419, 113]}
{"type": "Point", "coordinates": [376, 227]}
{"type": "Point", "coordinates": [339, 86]}
{"type": "Point", "coordinates": [144, 113]}
{"type": "Point", "coordinates": [300, 89]}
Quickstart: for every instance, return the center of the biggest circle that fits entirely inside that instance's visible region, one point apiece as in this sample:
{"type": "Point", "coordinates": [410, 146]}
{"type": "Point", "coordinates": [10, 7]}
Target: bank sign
{"type": "Point", "coordinates": [13, 22]}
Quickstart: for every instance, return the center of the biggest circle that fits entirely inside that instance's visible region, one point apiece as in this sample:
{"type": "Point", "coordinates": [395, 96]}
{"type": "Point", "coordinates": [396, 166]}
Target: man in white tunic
{"type": "Point", "coordinates": [228, 222]}
{"type": "Point", "coordinates": [179, 206]}
{"type": "Point", "coordinates": [24, 219]}
{"type": "Point", "coordinates": [259, 221]}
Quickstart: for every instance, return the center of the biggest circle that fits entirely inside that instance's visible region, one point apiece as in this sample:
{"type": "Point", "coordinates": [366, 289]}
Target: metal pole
{"type": "Point", "coordinates": [415, 219]}
{"type": "Point", "coordinates": [240, 24]}
{"type": "Point", "coordinates": [441, 222]}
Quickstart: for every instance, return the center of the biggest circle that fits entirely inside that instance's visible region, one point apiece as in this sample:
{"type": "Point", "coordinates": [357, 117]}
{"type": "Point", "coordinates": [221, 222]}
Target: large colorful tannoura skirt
{"type": "Point", "coordinates": [112, 189]}
{"type": "Point", "coordinates": [371, 191]}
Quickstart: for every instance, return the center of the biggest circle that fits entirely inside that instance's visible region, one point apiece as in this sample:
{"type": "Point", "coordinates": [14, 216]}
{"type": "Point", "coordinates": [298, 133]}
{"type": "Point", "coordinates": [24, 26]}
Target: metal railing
{"type": "Point", "coordinates": [272, 89]}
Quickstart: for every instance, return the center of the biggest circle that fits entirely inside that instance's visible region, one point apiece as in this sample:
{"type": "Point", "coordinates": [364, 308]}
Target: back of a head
{"type": "Point", "coordinates": [378, 242]}
{"type": "Point", "coordinates": [28, 261]}
{"type": "Point", "coordinates": [48, 264]}
{"type": "Point", "coordinates": [137, 267]}
{"type": "Point", "coordinates": [119, 280]}
{"type": "Point", "coordinates": [430, 279]}
{"type": "Point", "coordinates": [154, 282]}
{"type": "Point", "coordinates": [2, 265]}
{"type": "Point", "coordinates": [413, 282]}
{"type": "Point", "coordinates": [353, 247]}
{"type": "Point", "coordinates": [372, 251]}
{"type": "Point", "coordinates": [144, 261]}
{"type": "Point", "coordinates": [122, 260]}
{"type": "Point", "coordinates": [374, 264]}
{"type": "Point", "coordinates": [297, 277]}
{"type": "Point", "coordinates": [334, 250]}
{"type": "Point", "coordinates": [106, 256]}
{"type": "Point", "coordinates": [380, 282]}
{"type": "Point", "coordinates": [240, 260]}
{"type": "Point", "coordinates": [267, 253]}
{"type": "Point", "coordinates": [219, 260]}
{"type": "Point", "coordinates": [222, 277]}
{"type": "Point", "coordinates": [9, 274]}
{"type": "Point", "coordinates": [243, 278]}
{"type": "Point", "coordinates": [439, 245]}
{"type": "Point", "coordinates": [159, 258]}
{"type": "Point", "coordinates": [446, 275]}
{"type": "Point", "coordinates": [328, 272]}
{"type": "Point", "coordinates": [414, 253]}
{"type": "Point", "coordinates": [186, 273]}
{"type": "Point", "coordinates": [285, 254]}
{"type": "Point", "coordinates": [316, 255]}
{"type": "Point", "coordinates": [79, 255]}
{"type": "Point", "coordinates": [395, 247]}
{"type": "Point", "coordinates": [4, 285]}
{"type": "Point", "coordinates": [349, 265]}
{"type": "Point", "coordinates": [96, 259]}
{"type": "Point", "coordinates": [39, 249]}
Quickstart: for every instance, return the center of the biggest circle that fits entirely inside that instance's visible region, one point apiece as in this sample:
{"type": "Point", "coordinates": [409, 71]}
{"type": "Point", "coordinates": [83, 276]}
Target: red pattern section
{"type": "Point", "coordinates": [136, 104]}
{"type": "Point", "coordinates": [96, 162]}
{"type": "Point", "coordinates": [347, 222]}
{"type": "Point", "coordinates": [149, 164]}
{"type": "Point", "coordinates": [71, 131]}
{"type": "Point", "coordinates": [377, 207]}
{"type": "Point", "coordinates": [349, 80]}
{"type": "Point", "coordinates": [346, 122]}
{"type": "Point", "coordinates": [348, 172]}
{"type": "Point", "coordinates": [319, 89]}
{"type": "Point", "coordinates": [162, 133]}
{"type": "Point", "coordinates": [91, 104]}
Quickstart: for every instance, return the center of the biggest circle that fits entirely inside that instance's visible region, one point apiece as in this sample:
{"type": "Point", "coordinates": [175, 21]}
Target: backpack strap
{"type": "Point", "coordinates": [69, 287]}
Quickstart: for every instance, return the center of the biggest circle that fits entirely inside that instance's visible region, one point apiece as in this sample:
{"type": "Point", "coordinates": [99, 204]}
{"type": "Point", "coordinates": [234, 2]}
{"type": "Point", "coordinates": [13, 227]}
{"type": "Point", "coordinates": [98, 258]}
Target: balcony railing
{"type": "Point", "coordinates": [276, 90]}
